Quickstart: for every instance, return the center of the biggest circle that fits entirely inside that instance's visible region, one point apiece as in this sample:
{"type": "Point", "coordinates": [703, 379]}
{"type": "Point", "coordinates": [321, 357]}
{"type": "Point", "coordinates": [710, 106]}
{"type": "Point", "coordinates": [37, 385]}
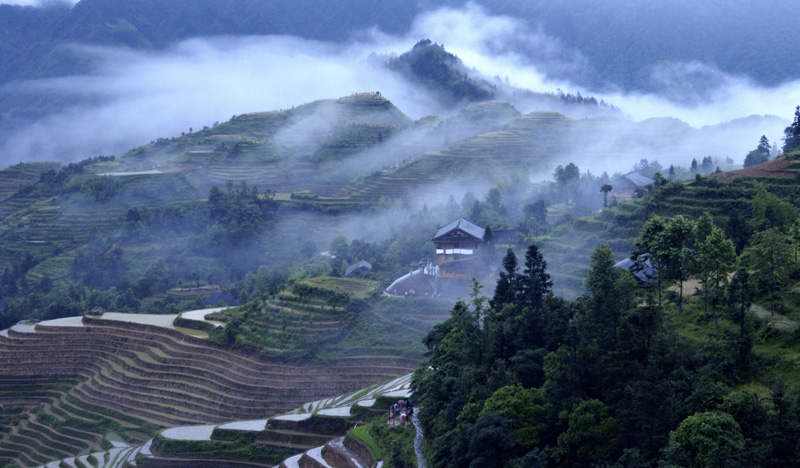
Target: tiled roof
{"type": "Point", "coordinates": [462, 224]}
{"type": "Point", "coordinates": [646, 275]}
{"type": "Point", "coordinates": [356, 266]}
{"type": "Point", "coordinates": [637, 179]}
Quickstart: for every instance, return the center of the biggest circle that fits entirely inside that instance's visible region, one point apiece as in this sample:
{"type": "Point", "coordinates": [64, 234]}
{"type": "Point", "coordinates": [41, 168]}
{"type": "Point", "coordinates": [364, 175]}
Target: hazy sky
{"type": "Point", "coordinates": [133, 98]}
{"type": "Point", "coordinates": [36, 3]}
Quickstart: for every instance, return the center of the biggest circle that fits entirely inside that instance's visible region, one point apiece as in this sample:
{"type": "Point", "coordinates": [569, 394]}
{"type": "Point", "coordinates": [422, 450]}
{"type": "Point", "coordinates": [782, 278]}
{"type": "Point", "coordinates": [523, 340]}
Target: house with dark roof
{"type": "Point", "coordinates": [624, 187]}
{"type": "Point", "coordinates": [357, 269]}
{"type": "Point", "coordinates": [645, 277]}
{"type": "Point", "coordinates": [458, 248]}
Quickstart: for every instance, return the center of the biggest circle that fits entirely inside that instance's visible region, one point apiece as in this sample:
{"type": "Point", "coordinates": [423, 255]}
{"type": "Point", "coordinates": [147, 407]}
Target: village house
{"type": "Point", "coordinates": [624, 187]}
{"type": "Point", "coordinates": [645, 276]}
{"type": "Point", "coordinates": [458, 248]}
{"type": "Point", "coordinates": [358, 269]}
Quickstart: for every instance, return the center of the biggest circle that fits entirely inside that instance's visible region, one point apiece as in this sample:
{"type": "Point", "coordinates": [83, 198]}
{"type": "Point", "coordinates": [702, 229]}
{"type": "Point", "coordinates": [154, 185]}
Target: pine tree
{"type": "Point", "coordinates": [507, 283]}
{"type": "Point", "coordinates": [536, 282]}
{"type": "Point", "coordinates": [759, 155]}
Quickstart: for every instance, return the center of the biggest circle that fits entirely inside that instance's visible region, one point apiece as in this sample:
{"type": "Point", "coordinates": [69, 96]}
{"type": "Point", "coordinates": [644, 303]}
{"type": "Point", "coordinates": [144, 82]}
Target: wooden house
{"type": "Point", "coordinates": [624, 187]}
{"type": "Point", "coordinates": [458, 248]}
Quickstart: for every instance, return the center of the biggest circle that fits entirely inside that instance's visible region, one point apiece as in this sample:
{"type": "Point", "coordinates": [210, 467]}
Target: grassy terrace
{"type": "Point", "coordinates": [15, 177]}
{"type": "Point", "coordinates": [327, 318]}
{"type": "Point", "coordinates": [348, 286]}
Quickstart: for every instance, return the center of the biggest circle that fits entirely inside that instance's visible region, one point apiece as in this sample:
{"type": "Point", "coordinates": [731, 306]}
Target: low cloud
{"type": "Point", "coordinates": [132, 98]}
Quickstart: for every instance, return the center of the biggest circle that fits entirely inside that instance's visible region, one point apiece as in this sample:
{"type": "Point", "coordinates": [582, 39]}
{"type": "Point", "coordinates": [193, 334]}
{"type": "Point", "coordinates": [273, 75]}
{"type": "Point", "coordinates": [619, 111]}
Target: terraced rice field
{"type": "Point", "coordinates": [312, 433]}
{"type": "Point", "coordinates": [76, 385]}
{"type": "Point", "coordinates": [524, 143]}
{"type": "Point", "coordinates": [50, 224]}
{"type": "Point", "coordinates": [15, 177]}
{"type": "Point", "coordinates": [308, 322]}
{"type": "Point", "coordinates": [342, 285]}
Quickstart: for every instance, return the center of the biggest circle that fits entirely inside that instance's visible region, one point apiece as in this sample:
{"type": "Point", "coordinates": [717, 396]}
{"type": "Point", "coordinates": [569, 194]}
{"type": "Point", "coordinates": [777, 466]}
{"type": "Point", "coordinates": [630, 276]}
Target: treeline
{"type": "Point", "coordinates": [620, 377]}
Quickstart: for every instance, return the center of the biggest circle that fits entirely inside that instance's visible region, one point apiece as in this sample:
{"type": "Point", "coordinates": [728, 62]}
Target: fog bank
{"type": "Point", "coordinates": [132, 97]}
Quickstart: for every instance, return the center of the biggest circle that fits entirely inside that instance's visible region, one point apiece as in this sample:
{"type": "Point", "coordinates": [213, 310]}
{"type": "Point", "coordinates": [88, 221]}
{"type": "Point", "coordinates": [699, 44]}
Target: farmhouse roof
{"type": "Point", "coordinates": [445, 232]}
{"type": "Point", "coordinates": [645, 275]}
{"type": "Point", "coordinates": [363, 264]}
{"type": "Point", "coordinates": [633, 179]}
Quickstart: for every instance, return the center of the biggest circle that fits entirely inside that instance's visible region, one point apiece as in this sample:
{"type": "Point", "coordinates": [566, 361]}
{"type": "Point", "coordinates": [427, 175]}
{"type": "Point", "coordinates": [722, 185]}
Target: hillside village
{"type": "Point", "coordinates": [451, 272]}
{"type": "Point", "coordinates": [325, 324]}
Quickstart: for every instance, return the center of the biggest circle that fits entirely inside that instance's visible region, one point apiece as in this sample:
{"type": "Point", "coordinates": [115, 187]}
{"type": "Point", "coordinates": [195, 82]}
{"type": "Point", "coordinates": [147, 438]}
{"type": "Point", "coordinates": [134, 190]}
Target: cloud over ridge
{"type": "Point", "coordinates": [135, 97]}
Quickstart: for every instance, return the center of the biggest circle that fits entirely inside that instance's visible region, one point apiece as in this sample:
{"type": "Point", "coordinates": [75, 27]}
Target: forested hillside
{"type": "Point", "coordinates": [627, 376]}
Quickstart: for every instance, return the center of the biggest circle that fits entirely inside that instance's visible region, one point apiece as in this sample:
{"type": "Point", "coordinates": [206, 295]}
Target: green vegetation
{"type": "Point", "coordinates": [620, 376]}
{"type": "Point", "coordinates": [326, 318]}
{"type": "Point", "coordinates": [396, 443]}
{"type": "Point", "coordinates": [330, 287]}
{"type": "Point", "coordinates": [362, 433]}
{"type": "Point", "coordinates": [240, 450]}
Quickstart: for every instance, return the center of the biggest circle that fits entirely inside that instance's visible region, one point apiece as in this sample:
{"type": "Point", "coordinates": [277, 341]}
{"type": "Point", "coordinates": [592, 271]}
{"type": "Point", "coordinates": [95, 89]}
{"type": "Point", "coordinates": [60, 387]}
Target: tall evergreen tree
{"type": "Point", "coordinates": [759, 155]}
{"type": "Point", "coordinates": [505, 292]}
{"type": "Point", "coordinates": [535, 283]}
{"type": "Point", "coordinates": [608, 295]}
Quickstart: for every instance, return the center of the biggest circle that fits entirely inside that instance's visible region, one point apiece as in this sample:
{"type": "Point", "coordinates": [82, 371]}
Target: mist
{"type": "Point", "coordinates": [132, 98]}
{"type": "Point", "coordinates": [39, 3]}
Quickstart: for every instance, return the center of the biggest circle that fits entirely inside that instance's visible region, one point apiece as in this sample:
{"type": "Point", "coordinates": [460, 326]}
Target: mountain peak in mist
{"type": "Point", "coordinates": [443, 73]}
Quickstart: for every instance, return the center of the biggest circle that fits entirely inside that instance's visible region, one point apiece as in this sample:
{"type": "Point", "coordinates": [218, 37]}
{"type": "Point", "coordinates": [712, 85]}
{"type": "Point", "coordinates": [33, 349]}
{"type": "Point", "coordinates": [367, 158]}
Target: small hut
{"type": "Point", "coordinates": [357, 269]}
{"type": "Point", "coordinates": [624, 187]}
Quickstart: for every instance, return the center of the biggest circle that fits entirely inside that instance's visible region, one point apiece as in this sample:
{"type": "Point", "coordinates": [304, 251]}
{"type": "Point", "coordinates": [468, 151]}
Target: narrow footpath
{"type": "Point", "coordinates": [418, 448]}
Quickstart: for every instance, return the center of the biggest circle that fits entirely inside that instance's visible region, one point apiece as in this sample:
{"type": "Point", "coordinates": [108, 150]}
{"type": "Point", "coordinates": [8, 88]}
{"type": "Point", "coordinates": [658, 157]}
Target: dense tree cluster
{"type": "Point", "coordinates": [526, 379]}
{"type": "Point", "coordinates": [759, 155]}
